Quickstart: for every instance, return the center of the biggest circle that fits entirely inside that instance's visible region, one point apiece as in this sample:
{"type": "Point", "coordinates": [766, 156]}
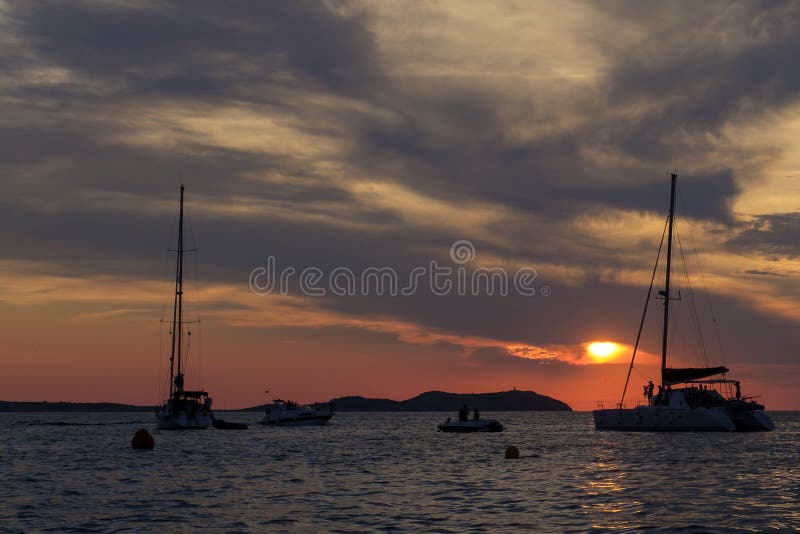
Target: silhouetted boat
{"type": "Point", "coordinates": [288, 413]}
{"type": "Point", "coordinates": [695, 405]}
{"type": "Point", "coordinates": [183, 409]}
{"type": "Point", "coordinates": [481, 425]}
{"type": "Point", "coordinates": [219, 424]}
{"type": "Point", "coordinates": [465, 424]}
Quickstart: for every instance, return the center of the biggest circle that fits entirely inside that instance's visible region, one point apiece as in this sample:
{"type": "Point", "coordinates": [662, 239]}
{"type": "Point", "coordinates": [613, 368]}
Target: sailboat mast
{"type": "Point", "coordinates": [179, 293]}
{"type": "Point", "coordinates": [666, 280]}
{"type": "Point", "coordinates": [176, 380]}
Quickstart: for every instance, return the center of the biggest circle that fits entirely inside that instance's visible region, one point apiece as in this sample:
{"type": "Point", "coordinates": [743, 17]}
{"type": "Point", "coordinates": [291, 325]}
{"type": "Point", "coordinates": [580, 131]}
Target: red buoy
{"type": "Point", "coordinates": [143, 440]}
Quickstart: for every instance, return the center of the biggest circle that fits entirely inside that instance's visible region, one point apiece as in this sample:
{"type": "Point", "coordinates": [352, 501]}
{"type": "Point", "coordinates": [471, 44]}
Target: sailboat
{"type": "Point", "coordinates": [686, 398]}
{"type": "Point", "coordinates": [184, 408]}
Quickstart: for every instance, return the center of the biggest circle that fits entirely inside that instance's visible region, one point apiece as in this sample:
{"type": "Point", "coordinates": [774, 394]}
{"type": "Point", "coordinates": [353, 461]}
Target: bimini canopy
{"type": "Point", "coordinates": [676, 376]}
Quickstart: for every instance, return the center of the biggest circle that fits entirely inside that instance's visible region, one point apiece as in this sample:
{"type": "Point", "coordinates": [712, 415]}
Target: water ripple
{"type": "Point", "coordinates": [394, 472]}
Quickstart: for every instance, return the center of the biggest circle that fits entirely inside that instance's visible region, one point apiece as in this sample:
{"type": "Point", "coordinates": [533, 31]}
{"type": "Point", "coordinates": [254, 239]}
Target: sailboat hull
{"type": "Point", "coordinates": [183, 421]}
{"type": "Point", "coordinates": [184, 411]}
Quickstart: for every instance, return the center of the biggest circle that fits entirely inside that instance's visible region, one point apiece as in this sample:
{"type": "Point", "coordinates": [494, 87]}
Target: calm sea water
{"type": "Point", "coordinates": [392, 472]}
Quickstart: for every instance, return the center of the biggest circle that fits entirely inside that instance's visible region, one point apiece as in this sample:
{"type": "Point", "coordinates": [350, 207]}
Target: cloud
{"type": "Point", "coordinates": [200, 48]}
{"type": "Point", "coordinates": [776, 234]}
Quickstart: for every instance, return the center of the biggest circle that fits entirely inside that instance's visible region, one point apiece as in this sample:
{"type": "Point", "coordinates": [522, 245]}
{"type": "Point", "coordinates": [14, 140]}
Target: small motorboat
{"type": "Point", "coordinates": [219, 424]}
{"type": "Point", "coordinates": [288, 413]}
{"type": "Point", "coordinates": [465, 424]}
{"type": "Point", "coordinates": [481, 425]}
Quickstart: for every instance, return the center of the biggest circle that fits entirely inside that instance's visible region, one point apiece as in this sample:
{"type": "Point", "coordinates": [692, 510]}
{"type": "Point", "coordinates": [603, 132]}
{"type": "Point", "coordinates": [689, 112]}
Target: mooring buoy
{"type": "Point", "coordinates": [142, 440]}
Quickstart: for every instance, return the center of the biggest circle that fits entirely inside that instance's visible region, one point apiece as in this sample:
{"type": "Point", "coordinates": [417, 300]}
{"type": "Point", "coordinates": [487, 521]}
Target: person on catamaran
{"type": "Point", "coordinates": [476, 416]}
{"type": "Point", "coordinates": [463, 413]}
{"type": "Point", "coordinates": [660, 395]}
{"type": "Point", "coordinates": [648, 390]}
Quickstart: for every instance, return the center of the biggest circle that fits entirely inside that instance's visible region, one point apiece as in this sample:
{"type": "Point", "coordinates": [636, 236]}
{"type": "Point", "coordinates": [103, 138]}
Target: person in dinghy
{"type": "Point", "coordinates": [464, 424]}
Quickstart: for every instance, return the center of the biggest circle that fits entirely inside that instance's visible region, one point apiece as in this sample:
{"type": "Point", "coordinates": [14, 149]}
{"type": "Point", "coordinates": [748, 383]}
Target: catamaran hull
{"type": "Point", "coordinates": [664, 419]}
{"type": "Point", "coordinates": [752, 421]}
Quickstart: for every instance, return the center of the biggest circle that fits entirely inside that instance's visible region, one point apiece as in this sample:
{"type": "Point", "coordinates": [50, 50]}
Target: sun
{"type": "Point", "coordinates": [602, 350]}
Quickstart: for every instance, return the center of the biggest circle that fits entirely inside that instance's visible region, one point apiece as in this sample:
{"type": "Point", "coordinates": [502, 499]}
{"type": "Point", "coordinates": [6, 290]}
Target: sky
{"type": "Point", "coordinates": [531, 137]}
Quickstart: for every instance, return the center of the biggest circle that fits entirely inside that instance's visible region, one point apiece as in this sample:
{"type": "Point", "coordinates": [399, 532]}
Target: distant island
{"type": "Point", "coordinates": [44, 406]}
{"type": "Point", "coordinates": [441, 401]}
{"type": "Point", "coordinates": [430, 401]}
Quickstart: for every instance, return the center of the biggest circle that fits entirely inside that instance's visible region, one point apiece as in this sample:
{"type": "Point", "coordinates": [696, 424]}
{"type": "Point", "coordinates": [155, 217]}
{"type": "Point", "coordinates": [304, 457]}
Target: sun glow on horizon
{"type": "Point", "coordinates": [601, 351]}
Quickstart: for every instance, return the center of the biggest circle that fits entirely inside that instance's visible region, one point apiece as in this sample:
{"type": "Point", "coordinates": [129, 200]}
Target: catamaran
{"type": "Point", "coordinates": [689, 398]}
{"type": "Point", "coordinates": [184, 408]}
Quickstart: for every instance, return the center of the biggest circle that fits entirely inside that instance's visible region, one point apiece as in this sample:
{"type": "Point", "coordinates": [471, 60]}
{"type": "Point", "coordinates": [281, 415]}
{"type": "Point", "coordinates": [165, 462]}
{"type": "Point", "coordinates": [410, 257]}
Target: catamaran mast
{"type": "Point", "coordinates": [176, 380]}
{"type": "Point", "coordinates": [666, 293]}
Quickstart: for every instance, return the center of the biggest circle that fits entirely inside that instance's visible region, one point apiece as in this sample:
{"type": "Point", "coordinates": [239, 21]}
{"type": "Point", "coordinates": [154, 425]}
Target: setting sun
{"type": "Point", "coordinates": [602, 350]}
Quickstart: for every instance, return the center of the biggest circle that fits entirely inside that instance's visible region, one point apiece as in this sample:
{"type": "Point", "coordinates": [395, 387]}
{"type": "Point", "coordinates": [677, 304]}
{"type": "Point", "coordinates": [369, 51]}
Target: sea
{"type": "Point", "coordinates": [367, 472]}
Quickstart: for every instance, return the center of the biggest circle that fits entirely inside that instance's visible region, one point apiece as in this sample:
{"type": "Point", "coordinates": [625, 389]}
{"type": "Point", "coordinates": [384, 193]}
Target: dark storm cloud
{"type": "Point", "coordinates": [61, 170]}
{"type": "Point", "coordinates": [91, 164]}
{"type": "Point", "coordinates": [204, 48]}
{"type": "Point", "coordinates": [775, 234]}
{"type": "Point", "coordinates": [466, 155]}
{"type": "Point", "coordinates": [472, 157]}
{"type": "Point", "coordinates": [450, 139]}
{"type": "Point", "coordinates": [710, 66]}
{"type": "Point", "coordinates": [687, 72]}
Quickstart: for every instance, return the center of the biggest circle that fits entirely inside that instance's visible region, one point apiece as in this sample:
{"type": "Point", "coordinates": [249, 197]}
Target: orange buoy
{"type": "Point", "coordinates": [142, 440]}
{"type": "Point", "coordinates": [512, 452]}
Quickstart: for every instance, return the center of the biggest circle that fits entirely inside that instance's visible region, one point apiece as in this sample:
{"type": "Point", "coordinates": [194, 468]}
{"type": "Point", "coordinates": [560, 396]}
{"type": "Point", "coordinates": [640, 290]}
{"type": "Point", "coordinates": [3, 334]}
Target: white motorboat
{"type": "Point", "coordinates": [694, 404]}
{"type": "Point", "coordinates": [183, 409]}
{"type": "Point", "coordinates": [288, 413]}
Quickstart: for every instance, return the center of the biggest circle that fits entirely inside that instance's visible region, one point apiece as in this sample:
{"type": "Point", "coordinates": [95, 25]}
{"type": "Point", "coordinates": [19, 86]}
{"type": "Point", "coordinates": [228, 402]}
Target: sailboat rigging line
{"type": "Point", "coordinates": [200, 358]}
{"type": "Point", "coordinates": [701, 275]}
{"type": "Point", "coordinates": [196, 259]}
{"type": "Point", "coordinates": [160, 356]}
{"type": "Point", "coordinates": [641, 374]}
{"type": "Point", "coordinates": [165, 297]}
{"type": "Point", "coordinates": [644, 314]}
{"type": "Point", "coordinates": [673, 327]}
{"type": "Point", "coordinates": [187, 356]}
{"type": "Point", "coordinates": [695, 316]}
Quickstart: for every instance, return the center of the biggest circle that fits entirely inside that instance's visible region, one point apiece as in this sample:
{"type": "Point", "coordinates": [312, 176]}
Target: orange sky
{"type": "Point", "coordinates": [67, 351]}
